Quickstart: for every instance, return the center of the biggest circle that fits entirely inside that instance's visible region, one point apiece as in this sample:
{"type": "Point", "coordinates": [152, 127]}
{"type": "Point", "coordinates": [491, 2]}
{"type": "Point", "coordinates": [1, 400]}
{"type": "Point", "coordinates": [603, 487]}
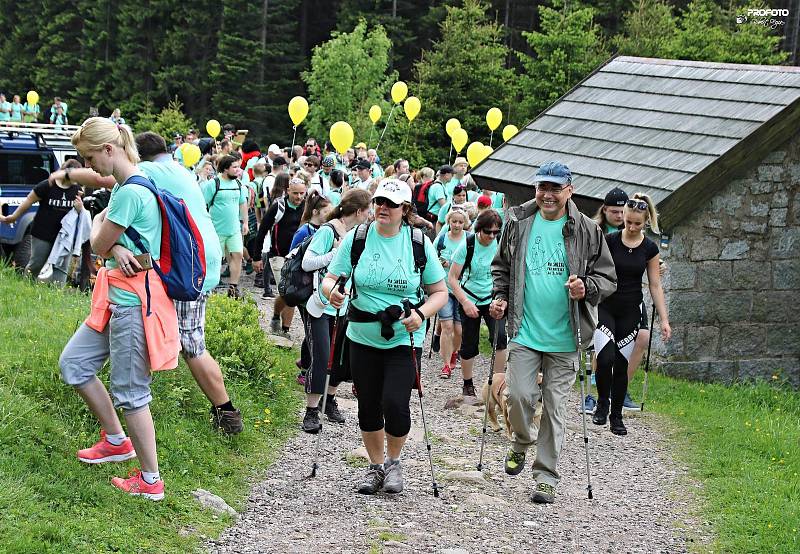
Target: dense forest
{"type": "Point", "coordinates": [240, 62]}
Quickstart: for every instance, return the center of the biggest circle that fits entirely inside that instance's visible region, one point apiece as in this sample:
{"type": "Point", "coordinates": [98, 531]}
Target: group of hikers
{"type": "Point", "coordinates": [388, 253]}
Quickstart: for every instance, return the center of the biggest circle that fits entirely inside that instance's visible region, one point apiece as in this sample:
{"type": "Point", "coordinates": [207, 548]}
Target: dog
{"type": "Point", "coordinates": [495, 398]}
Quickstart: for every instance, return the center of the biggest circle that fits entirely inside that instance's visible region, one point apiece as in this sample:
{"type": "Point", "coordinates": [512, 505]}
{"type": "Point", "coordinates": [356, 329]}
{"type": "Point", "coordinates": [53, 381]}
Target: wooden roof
{"type": "Point", "coordinates": [677, 130]}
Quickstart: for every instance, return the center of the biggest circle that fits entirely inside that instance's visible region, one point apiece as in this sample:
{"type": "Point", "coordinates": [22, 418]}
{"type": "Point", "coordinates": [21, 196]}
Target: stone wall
{"type": "Point", "coordinates": [734, 278]}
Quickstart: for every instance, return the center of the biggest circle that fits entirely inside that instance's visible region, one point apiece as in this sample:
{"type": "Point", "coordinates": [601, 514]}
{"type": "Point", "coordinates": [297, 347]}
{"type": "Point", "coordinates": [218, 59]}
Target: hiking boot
{"type": "Point", "coordinates": [446, 372]}
{"type": "Point", "coordinates": [601, 412]}
{"type": "Point", "coordinates": [226, 273]}
{"type": "Point", "coordinates": [468, 390]}
{"type": "Point", "coordinates": [435, 342]}
{"type": "Point", "coordinates": [332, 410]}
{"type": "Point", "coordinates": [103, 451]}
{"type": "Point", "coordinates": [268, 293]}
{"type": "Point", "coordinates": [136, 486]}
{"type": "Point", "coordinates": [515, 461]}
{"type": "Point", "coordinates": [629, 405]}
{"type": "Point", "coordinates": [258, 282]}
{"type": "Point", "coordinates": [393, 477]}
{"type": "Point", "coordinates": [617, 427]}
{"type": "Point", "coordinates": [233, 291]}
{"type": "Point", "coordinates": [311, 422]}
{"type": "Point", "coordinates": [544, 494]}
{"type": "Point", "coordinates": [248, 267]}
{"type": "Point", "coordinates": [275, 326]}
{"type": "Point", "coordinates": [227, 421]}
{"type": "Point", "coordinates": [373, 480]}
{"type": "Point", "coordinates": [589, 404]}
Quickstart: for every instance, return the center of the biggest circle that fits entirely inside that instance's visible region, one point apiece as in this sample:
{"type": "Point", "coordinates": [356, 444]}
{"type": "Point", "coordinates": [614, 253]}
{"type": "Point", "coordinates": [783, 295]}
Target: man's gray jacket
{"type": "Point", "coordinates": [588, 257]}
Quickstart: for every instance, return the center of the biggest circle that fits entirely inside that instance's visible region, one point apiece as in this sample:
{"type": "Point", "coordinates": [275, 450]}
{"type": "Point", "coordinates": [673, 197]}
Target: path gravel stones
{"type": "Point", "coordinates": [637, 505]}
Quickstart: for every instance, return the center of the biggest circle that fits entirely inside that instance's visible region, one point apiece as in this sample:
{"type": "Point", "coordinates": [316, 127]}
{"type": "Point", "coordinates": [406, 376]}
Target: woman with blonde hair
{"type": "Point", "coordinates": [116, 328]}
{"type": "Point", "coordinates": [620, 313]}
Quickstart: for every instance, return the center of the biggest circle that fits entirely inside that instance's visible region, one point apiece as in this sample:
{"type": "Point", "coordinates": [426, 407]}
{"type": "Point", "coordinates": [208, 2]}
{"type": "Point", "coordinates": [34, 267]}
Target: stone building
{"type": "Point", "coordinates": [718, 148]}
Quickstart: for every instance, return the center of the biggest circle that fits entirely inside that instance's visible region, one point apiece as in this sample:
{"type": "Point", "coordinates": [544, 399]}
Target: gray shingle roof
{"type": "Point", "coordinates": [652, 126]}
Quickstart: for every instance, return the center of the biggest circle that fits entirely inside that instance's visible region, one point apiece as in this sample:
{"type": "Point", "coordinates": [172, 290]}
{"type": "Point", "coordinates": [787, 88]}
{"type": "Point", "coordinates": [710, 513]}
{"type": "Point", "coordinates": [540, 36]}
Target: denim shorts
{"type": "Point", "coordinates": [122, 341]}
{"type": "Point", "coordinates": [450, 311]}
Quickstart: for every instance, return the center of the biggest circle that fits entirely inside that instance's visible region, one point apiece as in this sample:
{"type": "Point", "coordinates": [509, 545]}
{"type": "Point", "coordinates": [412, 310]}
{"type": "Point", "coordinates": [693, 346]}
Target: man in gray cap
{"type": "Point", "coordinates": [550, 257]}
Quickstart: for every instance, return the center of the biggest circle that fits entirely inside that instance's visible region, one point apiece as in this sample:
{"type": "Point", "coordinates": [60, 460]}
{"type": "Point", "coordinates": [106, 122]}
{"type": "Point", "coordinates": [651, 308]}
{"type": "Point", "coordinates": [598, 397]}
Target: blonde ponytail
{"type": "Point", "coordinates": [97, 131]}
{"type": "Point", "coordinates": [652, 215]}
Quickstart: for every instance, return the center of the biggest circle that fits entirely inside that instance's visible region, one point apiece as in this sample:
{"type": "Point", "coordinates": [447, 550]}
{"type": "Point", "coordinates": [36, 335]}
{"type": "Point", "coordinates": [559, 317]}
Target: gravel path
{"type": "Point", "coordinates": [636, 506]}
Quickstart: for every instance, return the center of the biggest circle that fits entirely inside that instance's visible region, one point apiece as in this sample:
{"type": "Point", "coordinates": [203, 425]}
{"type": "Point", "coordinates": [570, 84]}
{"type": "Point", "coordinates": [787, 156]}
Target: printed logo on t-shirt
{"type": "Point", "coordinates": [539, 263]}
{"type": "Point", "coordinates": [395, 281]}
{"type": "Point", "coordinates": [62, 203]}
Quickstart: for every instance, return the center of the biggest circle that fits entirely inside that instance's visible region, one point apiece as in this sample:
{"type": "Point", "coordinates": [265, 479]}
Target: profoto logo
{"type": "Point", "coordinates": [763, 12]}
{"type": "Point", "coordinates": [764, 16]}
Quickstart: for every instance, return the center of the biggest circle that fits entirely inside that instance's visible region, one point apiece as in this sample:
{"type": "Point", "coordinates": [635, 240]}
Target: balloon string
{"type": "Point", "coordinates": [450, 155]}
{"type": "Point", "coordinates": [388, 120]}
{"type": "Point", "coordinates": [408, 129]}
{"type": "Point", "coordinates": [370, 134]}
{"type": "Point", "coordinates": [491, 135]}
{"type": "Point", "coordinates": [294, 136]}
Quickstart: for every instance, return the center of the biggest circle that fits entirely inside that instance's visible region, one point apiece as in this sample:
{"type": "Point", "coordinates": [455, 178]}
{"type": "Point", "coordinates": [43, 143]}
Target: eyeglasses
{"type": "Point", "coordinates": [309, 164]}
{"type": "Point", "coordinates": [491, 232]}
{"type": "Point", "coordinates": [637, 205]}
{"type": "Point", "coordinates": [544, 189]}
{"type": "Point", "coordinates": [381, 201]}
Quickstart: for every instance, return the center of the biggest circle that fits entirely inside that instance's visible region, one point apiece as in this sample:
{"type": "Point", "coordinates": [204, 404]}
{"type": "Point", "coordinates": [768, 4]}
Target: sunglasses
{"type": "Point", "coordinates": [307, 164]}
{"type": "Point", "coordinates": [491, 232]}
{"type": "Point", "coordinates": [637, 205]}
{"type": "Point", "coordinates": [381, 201]}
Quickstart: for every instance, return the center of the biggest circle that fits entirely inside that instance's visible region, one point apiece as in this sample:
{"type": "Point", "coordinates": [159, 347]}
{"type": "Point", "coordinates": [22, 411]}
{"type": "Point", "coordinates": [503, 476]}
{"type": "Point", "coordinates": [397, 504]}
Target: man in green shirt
{"type": "Point", "coordinates": [550, 257]}
{"type": "Point", "coordinates": [226, 199]}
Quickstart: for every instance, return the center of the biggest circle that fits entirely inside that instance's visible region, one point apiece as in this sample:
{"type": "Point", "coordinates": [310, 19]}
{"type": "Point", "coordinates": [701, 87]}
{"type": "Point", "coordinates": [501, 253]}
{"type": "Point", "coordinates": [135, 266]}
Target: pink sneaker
{"type": "Point", "coordinates": [446, 371]}
{"type": "Point", "coordinates": [454, 359]}
{"type": "Point", "coordinates": [103, 451]}
{"type": "Point", "coordinates": [136, 486]}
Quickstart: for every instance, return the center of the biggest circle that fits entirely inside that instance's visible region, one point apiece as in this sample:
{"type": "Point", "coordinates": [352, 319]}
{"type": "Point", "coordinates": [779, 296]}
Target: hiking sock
{"type": "Point", "coordinates": [117, 439]}
{"type": "Point", "coordinates": [467, 382]}
{"type": "Point", "coordinates": [284, 329]}
{"type": "Point", "coordinates": [276, 317]}
{"type": "Point", "coordinates": [389, 461]}
{"type": "Point", "coordinates": [376, 466]}
{"type": "Point", "coordinates": [150, 477]}
{"type": "Point", "coordinates": [310, 409]}
{"type": "Point", "coordinates": [330, 398]}
{"type": "Point", "coordinates": [227, 407]}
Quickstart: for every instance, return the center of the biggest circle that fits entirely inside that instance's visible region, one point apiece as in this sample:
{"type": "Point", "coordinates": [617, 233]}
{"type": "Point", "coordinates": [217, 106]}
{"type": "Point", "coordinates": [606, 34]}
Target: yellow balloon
{"type": "Point", "coordinates": [375, 113]}
{"type": "Point", "coordinates": [493, 118]}
{"type": "Point", "coordinates": [509, 131]}
{"type": "Point", "coordinates": [191, 155]}
{"type": "Point", "coordinates": [399, 92]}
{"type": "Point", "coordinates": [213, 128]}
{"type": "Point", "coordinates": [459, 139]}
{"type": "Point", "coordinates": [341, 136]}
{"type": "Point", "coordinates": [412, 106]}
{"type": "Point", "coordinates": [298, 109]}
{"type": "Point", "coordinates": [451, 125]}
{"type": "Point", "coordinates": [475, 153]}
{"type": "Point", "coordinates": [487, 150]}
{"type": "Point", "coordinates": [33, 97]}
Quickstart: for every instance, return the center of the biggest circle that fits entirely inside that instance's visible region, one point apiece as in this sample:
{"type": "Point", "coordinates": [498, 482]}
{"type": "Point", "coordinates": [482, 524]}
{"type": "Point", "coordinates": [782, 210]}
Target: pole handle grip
{"type": "Point", "coordinates": [407, 307]}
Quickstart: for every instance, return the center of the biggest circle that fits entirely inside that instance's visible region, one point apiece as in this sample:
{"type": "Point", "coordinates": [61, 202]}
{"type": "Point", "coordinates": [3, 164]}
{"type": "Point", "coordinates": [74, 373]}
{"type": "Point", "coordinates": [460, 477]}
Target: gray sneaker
{"type": "Point", "coordinates": [373, 480]}
{"type": "Point", "coordinates": [544, 494]}
{"type": "Point", "coordinates": [393, 479]}
{"type": "Point", "coordinates": [275, 326]}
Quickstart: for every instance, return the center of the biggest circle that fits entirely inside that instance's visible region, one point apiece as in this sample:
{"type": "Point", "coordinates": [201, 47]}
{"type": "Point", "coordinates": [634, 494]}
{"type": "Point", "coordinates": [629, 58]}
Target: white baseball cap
{"type": "Point", "coordinates": [393, 189]}
{"type": "Point", "coordinates": [274, 149]}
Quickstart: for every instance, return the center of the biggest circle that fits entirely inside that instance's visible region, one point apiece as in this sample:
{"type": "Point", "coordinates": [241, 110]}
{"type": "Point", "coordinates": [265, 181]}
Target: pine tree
{"type": "Point", "coordinates": [647, 30]}
{"type": "Point", "coordinates": [18, 49]}
{"type": "Point", "coordinates": [92, 84]}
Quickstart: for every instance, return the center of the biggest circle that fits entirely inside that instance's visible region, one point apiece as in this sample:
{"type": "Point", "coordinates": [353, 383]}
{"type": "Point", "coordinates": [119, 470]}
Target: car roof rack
{"type": "Point", "coordinates": [45, 134]}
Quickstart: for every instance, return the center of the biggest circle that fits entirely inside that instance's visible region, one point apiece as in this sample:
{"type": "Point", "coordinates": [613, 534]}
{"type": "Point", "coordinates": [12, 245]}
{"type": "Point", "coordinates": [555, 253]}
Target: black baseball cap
{"type": "Point", "coordinates": [616, 197]}
{"type": "Point", "coordinates": [446, 169]}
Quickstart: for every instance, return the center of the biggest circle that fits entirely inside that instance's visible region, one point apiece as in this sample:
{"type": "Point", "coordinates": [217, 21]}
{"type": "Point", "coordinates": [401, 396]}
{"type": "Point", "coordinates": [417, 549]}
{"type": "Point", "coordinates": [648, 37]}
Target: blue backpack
{"type": "Point", "coordinates": [182, 265]}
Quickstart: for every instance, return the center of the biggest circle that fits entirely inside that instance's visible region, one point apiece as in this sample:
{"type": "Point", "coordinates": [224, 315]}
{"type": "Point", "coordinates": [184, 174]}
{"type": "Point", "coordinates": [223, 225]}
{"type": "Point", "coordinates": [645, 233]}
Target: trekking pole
{"type": "Point", "coordinates": [649, 345]}
{"type": "Point", "coordinates": [435, 319]}
{"type": "Point", "coordinates": [582, 379]}
{"type": "Point", "coordinates": [407, 308]}
{"type": "Point", "coordinates": [340, 283]}
{"type": "Point", "coordinates": [491, 374]}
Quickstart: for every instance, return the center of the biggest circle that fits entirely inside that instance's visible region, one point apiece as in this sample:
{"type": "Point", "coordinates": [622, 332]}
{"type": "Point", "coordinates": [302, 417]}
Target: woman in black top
{"type": "Point", "coordinates": [55, 201]}
{"type": "Point", "coordinates": [619, 314]}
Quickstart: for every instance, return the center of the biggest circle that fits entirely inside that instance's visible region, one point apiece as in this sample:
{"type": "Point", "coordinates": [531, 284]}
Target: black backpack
{"type": "Point", "coordinates": [421, 202]}
{"type": "Point", "coordinates": [468, 258]}
{"type": "Point", "coordinates": [360, 241]}
{"type": "Point", "coordinates": [217, 186]}
{"type": "Point", "coordinates": [296, 285]}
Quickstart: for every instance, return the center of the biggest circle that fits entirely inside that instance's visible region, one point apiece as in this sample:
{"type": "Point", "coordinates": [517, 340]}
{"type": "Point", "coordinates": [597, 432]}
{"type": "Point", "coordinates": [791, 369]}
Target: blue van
{"type": "Point", "coordinates": [28, 154]}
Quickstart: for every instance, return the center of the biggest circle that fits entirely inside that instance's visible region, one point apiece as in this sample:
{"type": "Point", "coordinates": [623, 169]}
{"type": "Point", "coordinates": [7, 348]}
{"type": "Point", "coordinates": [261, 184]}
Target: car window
{"type": "Point", "coordinates": [25, 168]}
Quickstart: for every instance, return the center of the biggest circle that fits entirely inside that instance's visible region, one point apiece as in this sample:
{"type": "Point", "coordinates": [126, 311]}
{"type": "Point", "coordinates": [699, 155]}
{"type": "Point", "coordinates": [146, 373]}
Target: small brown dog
{"type": "Point", "coordinates": [496, 398]}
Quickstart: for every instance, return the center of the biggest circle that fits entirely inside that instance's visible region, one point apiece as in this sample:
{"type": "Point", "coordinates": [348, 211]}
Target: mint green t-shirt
{"type": "Point", "coordinates": [322, 243]}
{"type": "Point", "coordinates": [435, 192]}
{"type": "Point", "coordinates": [31, 112]}
{"type": "Point", "coordinates": [477, 280]}
{"type": "Point", "coordinates": [385, 276]}
{"type": "Point", "coordinates": [225, 211]}
{"type": "Point", "coordinates": [611, 229]}
{"type": "Point", "coordinates": [5, 111]}
{"type": "Point", "coordinates": [179, 181]}
{"type": "Point", "coordinates": [16, 112]}
{"type": "Point", "coordinates": [335, 197]}
{"type": "Point", "coordinates": [450, 185]}
{"type": "Point", "coordinates": [134, 206]}
{"type": "Point", "coordinates": [545, 315]}
{"type": "Point", "coordinates": [448, 246]}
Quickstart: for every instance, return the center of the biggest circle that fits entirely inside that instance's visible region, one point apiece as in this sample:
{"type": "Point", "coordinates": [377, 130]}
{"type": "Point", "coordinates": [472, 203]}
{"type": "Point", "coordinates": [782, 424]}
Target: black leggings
{"type": "Point", "coordinates": [614, 339]}
{"type": "Point", "coordinates": [383, 380]}
{"type": "Point", "coordinates": [318, 335]}
{"type": "Point", "coordinates": [471, 332]}
{"type": "Point", "coordinates": [305, 351]}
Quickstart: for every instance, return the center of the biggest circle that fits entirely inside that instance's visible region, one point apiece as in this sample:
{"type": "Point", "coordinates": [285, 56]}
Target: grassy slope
{"type": "Point", "coordinates": [52, 502]}
{"type": "Point", "coordinates": [743, 444]}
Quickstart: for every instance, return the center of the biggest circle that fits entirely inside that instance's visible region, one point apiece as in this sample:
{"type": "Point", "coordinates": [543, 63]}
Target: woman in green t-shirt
{"type": "Point", "coordinates": [385, 274]}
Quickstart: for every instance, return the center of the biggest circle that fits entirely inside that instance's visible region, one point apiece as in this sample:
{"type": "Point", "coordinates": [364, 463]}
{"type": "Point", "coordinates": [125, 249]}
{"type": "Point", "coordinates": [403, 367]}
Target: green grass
{"type": "Point", "coordinates": [50, 502]}
{"type": "Point", "coordinates": [742, 443]}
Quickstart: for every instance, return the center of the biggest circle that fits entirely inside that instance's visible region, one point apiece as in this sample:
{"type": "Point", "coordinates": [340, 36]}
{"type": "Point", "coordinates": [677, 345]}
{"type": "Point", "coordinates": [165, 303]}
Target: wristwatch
{"type": "Point", "coordinates": [420, 314]}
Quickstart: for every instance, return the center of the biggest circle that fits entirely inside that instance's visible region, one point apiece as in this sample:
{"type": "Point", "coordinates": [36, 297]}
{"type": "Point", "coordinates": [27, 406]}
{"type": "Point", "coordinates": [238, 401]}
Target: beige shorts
{"type": "Point", "coordinates": [276, 263]}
